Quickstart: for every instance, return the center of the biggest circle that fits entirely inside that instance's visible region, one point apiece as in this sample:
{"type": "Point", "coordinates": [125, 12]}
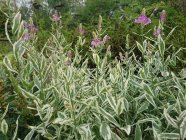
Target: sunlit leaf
{"type": "Point", "coordinates": [170, 136]}
{"type": "Point", "coordinates": [4, 127]}
{"type": "Point", "coordinates": [105, 131]}
{"type": "Point", "coordinates": [169, 119]}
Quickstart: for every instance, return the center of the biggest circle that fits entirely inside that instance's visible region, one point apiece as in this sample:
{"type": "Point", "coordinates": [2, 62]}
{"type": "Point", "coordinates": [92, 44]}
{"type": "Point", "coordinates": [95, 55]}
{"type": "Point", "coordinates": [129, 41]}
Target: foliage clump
{"type": "Point", "coordinates": [65, 92]}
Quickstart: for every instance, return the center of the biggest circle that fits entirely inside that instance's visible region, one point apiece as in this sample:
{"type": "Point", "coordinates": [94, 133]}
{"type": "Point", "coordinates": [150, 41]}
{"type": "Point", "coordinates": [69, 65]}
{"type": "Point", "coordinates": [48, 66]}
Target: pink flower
{"type": "Point", "coordinates": [81, 30]}
{"type": "Point", "coordinates": [96, 42]}
{"type": "Point", "coordinates": [143, 19]}
{"type": "Point", "coordinates": [26, 37]}
{"type": "Point", "coordinates": [163, 16]}
{"type": "Point", "coordinates": [56, 17]}
{"type": "Point", "coordinates": [33, 28]}
{"type": "Point", "coordinates": [157, 32]}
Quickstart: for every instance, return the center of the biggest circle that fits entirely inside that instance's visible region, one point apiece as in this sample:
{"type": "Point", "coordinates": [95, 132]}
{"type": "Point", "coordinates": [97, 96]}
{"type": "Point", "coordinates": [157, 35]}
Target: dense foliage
{"type": "Point", "coordinates": [108, 78]}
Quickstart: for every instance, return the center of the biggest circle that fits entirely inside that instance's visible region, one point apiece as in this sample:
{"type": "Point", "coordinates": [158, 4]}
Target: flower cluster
{"type": "Point", "coordinates": [26, 36]}
{"type": "Point", "coordinates": [81, 30]}
{"type": "Point", "coordinates": [56, 17]}
{"type": "Point", "coordinates": [157, 32]}
{"type": "Point", "coordinates": [163, 16]}
{"type": "Point", "coordinates": [143, 20]}
{"type": "Point", "coordinates": [30, 30]}
{"type": "Point", "coordinates": [33, 29]}
{"type": "Point", "coordinates": [98, 41]}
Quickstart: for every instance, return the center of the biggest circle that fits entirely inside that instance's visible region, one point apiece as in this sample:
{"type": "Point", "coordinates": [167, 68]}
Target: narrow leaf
{"type": "Point", "coordinates": [170, 136]}
{"type": "Point", "coordinates": [108, 116]}
{"type": "Point", "coordinates": [170, 120]}
{"type": "Point", "coordinates": [140, 47]}
{"type": "Point", "coordinates": [105, 131]}
{"type": "Point", "coordinates": [138, 134]}
{"type": "Point", "coordinates": [150, 100]}
{"type": "Point", "coordinates": [111, 101]}
{"type": "Point", "coordinates": [120, 106]}
{"type": "Point", "coordinates": [29, 135]}
{"type": "Point", "coordinates": [127, 129]}
{"type": "Point", "coordinates": [4, 127]}
{"type": "Point", "coordinates": [16, 129]}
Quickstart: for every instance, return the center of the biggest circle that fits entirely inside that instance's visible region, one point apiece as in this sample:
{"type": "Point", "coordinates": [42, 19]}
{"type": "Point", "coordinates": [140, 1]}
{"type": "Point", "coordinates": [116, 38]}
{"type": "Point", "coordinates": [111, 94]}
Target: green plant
{"type": "Point", "coordinates": [61, 97]}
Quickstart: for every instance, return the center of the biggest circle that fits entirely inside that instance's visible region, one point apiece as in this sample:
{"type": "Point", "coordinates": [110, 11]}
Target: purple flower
{"type": "Point", "coordinates": [33, 28]}
{"type": "Point", "coordinates": [81, 30]}
{"type": "Point", "coordinates": [157, 32]}
{"type": "Point", "coordinates": [143, 19]}
{"type": "Point", "coordinates": [56, 17]}
{"type": "Point", "coordinates": [96, 42]}
{"type": "Point", "coordinates": [163, 16]}
{"type": "Point", "coordinates": [26, 37]}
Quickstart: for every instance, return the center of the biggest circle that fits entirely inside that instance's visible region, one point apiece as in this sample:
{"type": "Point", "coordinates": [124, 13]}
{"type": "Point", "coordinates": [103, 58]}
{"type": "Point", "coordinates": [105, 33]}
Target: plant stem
{"type": "Point", "coordinates": [142, 35]}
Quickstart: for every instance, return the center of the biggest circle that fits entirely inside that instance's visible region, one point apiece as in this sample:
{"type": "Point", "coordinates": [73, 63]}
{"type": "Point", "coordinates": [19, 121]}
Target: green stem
{"type": "Point", "coordinates": [142, 35]}
{"type": "Point", "coordinates": [41, 80]}
{"type": "Point", "coordinates": [97, 79]}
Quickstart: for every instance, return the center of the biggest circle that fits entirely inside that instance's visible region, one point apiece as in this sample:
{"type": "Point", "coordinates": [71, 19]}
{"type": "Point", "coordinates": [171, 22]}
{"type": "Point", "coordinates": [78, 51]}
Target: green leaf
{"type": "Point", "coordinates": [156, 130]}
{"type": "Point", "coordinates": [170, 33]}
{"type": "Point", "coordinates": [138, 134]}
{"type": "Point", "coordinates": [126, 84]}
{"type": "Point", "coordinates": [6, 32]}
{"type": "Point", "coordinates": [182, 99]}
{"type": "Point", "coordinates": [144, 106]}
{"type": "Point", "coordinates": [127, 129]}
{"type": "Point", "coordinates": [4, 114]}
{"type": "Point", "coordinates": [142, 73]}
{"type": "Point", "coordinates": [96, 58]}
{"type": "Point", "coordinates": [140, 47]}
{"type": "Point", "coordinates": [18, 49]}
{"type": "Point", "coordinates": [61, 121]}
{"type": "Point", "coordinates": [29, 135]}
{"type": "Point", "coordinates": [105, 131]}
{"type": "Point", "coordinates": [4, 127]}
{"type": "Point", "coordinates": [16, 22]}
{"type": "Point", "coordinates": [161, 46]}
{"type": "Point", "coordinates": [15, 84]}
{"type": "Point", "coordinates": [28, 94]}
{"type": "Point", "coordinates": [85, 131]}
{"type": "Point", "coordinates": [15, 132]}
{"type": "Point", "coordinates": [115, 136]}
{"type": "Point", "coordinates": [183, 128]}
{"type": "Point", "coordinates": [21, 30]}
{"type": "Point", "coordinates": [150, 100]}
{"type": "Point", "coordinates": [126, 105]}
{"type": "Point", "coordinates": [170, 120]}
{"type": "Point", "coordinates": [146, 120]}
{"type": "Point", "coordinates": [148, 89]}
{"type": "Point", "coordinates": [120, 106]}
{"type": "Point", "coordinates": [111, 101]}
{"type": "Point", "coordinates": [108, 116]}
{"type": "Point", "coordinates": [8, 65]}
{"type": "Point", "coordinates": [170, 136]}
